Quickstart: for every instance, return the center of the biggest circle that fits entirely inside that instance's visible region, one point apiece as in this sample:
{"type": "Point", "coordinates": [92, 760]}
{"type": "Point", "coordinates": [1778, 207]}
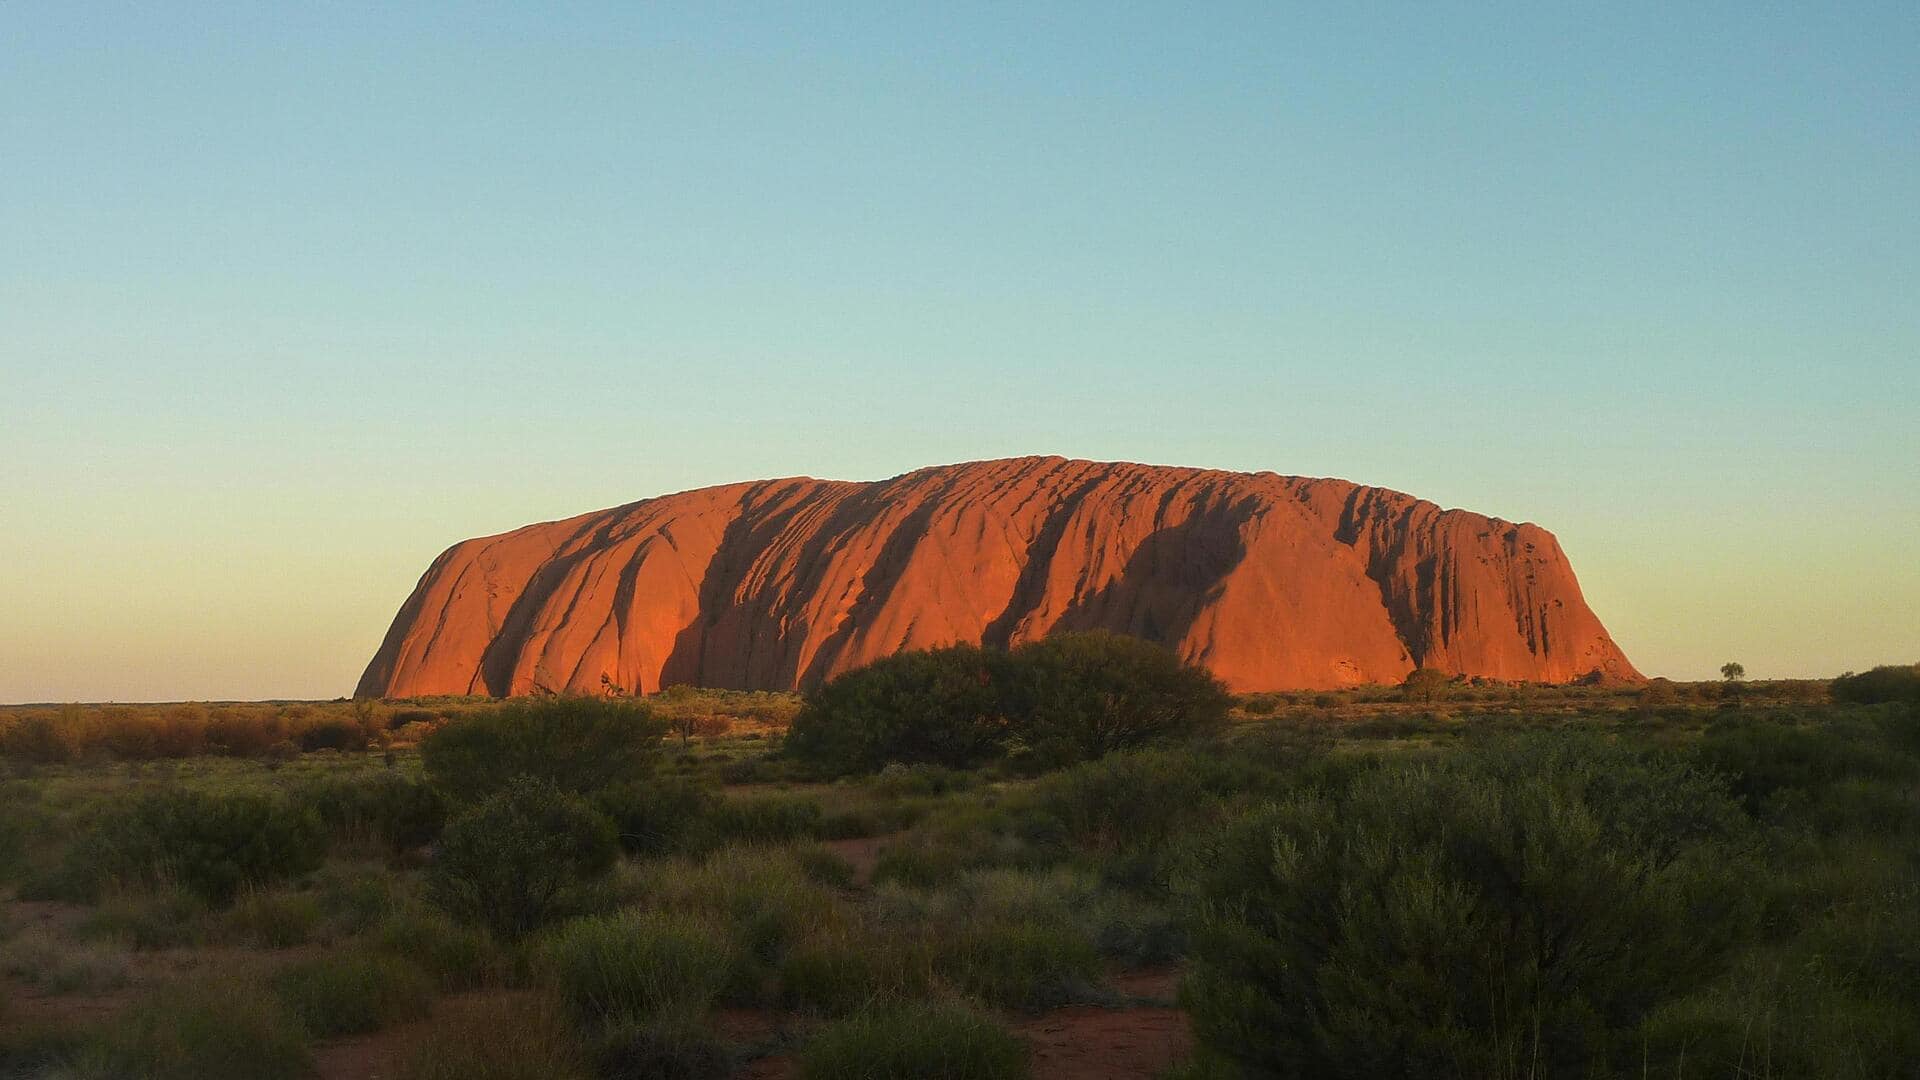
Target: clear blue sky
{"type": "Point", "coordinates": [291, 297]}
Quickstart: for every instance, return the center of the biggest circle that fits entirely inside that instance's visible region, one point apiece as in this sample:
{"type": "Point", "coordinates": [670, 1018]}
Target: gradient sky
{"type": "Point", "coordinates": [294, 296]}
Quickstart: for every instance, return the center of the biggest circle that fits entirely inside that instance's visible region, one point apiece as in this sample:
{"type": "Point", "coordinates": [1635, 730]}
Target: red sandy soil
{"type": "Point", "coordinates": [860, 853]}
{"type": "Point", "coordinates": [1273, 582]}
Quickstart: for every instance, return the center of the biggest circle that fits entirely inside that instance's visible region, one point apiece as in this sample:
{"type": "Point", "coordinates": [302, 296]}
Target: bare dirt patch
{"type": "Point", "coordinates": [1087, 1042]}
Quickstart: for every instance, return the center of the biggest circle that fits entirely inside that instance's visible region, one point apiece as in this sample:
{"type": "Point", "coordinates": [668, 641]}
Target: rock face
{"type": "Point", "coordinates": [1273, 582]}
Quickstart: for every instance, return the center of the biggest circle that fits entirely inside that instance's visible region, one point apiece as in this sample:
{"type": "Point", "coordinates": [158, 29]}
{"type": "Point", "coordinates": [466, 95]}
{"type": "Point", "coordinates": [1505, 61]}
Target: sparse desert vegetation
{"type": "Point", "coordinates": [1076, 861]}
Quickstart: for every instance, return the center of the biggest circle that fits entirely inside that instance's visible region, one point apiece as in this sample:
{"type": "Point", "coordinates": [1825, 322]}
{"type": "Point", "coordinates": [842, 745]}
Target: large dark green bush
{"type": "Point", "coordinates": [579, 744]}
{"type": "Point", "coordinates": [941, 707]}
{"type": "Point", "coordinates": [1075, 697]}
{"type": "Point", "coordinates": [518, 859]}
{"type": "Point", "coordinates": [212, 844]}
{"type": "Point", "coordinates": [1887, 683]}
{"type": "Point", "coordinates": [1515, 909]}
{"type": "Point", "coordinates": [1068, 698]}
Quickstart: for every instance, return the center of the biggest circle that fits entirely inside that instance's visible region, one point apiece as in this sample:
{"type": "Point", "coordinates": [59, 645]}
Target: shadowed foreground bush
{"type": "Point", "coordinates": [210, 844]}
{"type": "Point", "coordinates": [353, 993]}
{"type": "Point", "coordinates": [920, 1040]}
{"type": "Point", "coordinates": [498, 1038]}
{"type": "Point", "coordinates": [520, 857]}
{"type": "Point", "coordinates": [1507, 911]}
{"type": "Point", "coordinates": [228, 1031]}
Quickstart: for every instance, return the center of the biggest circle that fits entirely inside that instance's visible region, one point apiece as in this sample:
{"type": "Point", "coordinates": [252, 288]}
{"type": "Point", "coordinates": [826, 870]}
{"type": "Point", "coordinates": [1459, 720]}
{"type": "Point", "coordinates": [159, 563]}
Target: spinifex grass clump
{"type": "Point", "coordinates": [223, 1030]}
{"type": "Point", "coordinates": [354, 992]}
{"type": "Point", "coordinates": [634, 964]}
{"type": "Point", "coordinates": [921, 1040]}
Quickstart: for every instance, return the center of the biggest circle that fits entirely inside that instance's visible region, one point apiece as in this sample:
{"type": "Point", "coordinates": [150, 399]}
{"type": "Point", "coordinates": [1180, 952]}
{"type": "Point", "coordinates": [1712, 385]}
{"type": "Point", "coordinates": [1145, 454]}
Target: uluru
{"type": "Point", "coordinates": [1273, 582]}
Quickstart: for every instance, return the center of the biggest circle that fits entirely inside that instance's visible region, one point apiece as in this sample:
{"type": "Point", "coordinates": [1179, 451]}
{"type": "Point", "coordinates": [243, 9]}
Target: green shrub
{"type": "Point", "coordinates": [632, 964]}
{"type": "Point", "coordinates": [1019, 965]}
{"type": "Point", "coordinates": [1785, 1016]}
{"type": "Point", "coordinates": [498, 1038]}
{"type": "Point", "coordinates": [213, 844]}
{"type": "Point", "coordinates": [520, 857]}
{"type": "Point", "coordinates": [224, 1031]}
{"type": "Point", "coordinates": [843, 969]}
{"type": "Point", "coordinates": [385, 808]}
{"type": "Point", "coordinates": [353, 993]}
{"type": "Point", "coordinates": [941, 707]}
{"type": "Point", "coordinates": [577, 744]}
{"type": "Point", "coordinates": [459, 957]}
{"type": "Point", "coordinates": [332, 735]}
{"type": "Point", "coordinates": [1511, 909]}
{"type": "Point", "coordinates": [659, 815]}
{"type": "Point", "coordinates": [769, 819]}
{"type": "Point", "coordinates": [1426, 684]}
{"type": "Point", "coordinates": [272, 919]}
{"type": "Point", "coordinates": [921, 1040]}
{"type": "Point", "coordinates": [158, 919]}
{"type": "Point", "coordinates": [1795, 774]}
{"type": "Point", "coordinates": [1076, 697]}
{"type": "Point", "coordinates": [897, 780]}
{"type": "Point", "coordinates": [1882, 684]}
{"type": "Point", "coordinates": [353, 897]}
{"type": "Point", "coordinates": [823, 866]}
{"type": "Point", "coordinates": [764, 894]}
{"type": "Point", "coordinates": [59, 967]}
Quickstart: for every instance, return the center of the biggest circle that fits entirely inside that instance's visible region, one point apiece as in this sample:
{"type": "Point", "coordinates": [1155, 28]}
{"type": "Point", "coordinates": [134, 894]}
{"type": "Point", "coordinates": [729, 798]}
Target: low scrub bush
{"type": "Point", "coordinates": [520, 858]}
{"type": "Point", "coordinates": [1514, 909]}
{"type": "Point", "coordinates": [1882, 684]}
{"type": "Point", "coordinates": [337, 734]}
{"type": "Point", "coordinates": [578, 744]}
{"type": "Point", "coordinates": [922, 1040]}
{"type": "Point", "coordinates": [59, 967]}
{"type": "Point", "coordinates": [847, 968]}
{"type": "Point", "coordinates": [1019, 965]}
{"type": "Point", "coordinates": [354, 992]}
{"type": "Point", "coordinates": [633, 964]}
{"type": "Point", "coordinates": [212, 844]}
{"type": "Point", "coordinates": [764, 894]}
{"type": "Point", "coordinates": [272, 919]}
{"type": "Point", "coordinates": [382, 808]}
{"type": "Point", "coordinates": [459, 957]}
{"type": "Point", "coordinates": [675, 1045]}
{"type": "Point", "coordinates": [162, 918]}
{"type": "Point", "coordinates": [770, 819]}
{"type": "Point", "coordinates": [1827, 776]}
{"type": "Point", "coordinates": [223, 1031]}
{"type": "Point", "coordinates": [498, 1037]}
{"type": "Point", "coordinates": [660, 815]}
